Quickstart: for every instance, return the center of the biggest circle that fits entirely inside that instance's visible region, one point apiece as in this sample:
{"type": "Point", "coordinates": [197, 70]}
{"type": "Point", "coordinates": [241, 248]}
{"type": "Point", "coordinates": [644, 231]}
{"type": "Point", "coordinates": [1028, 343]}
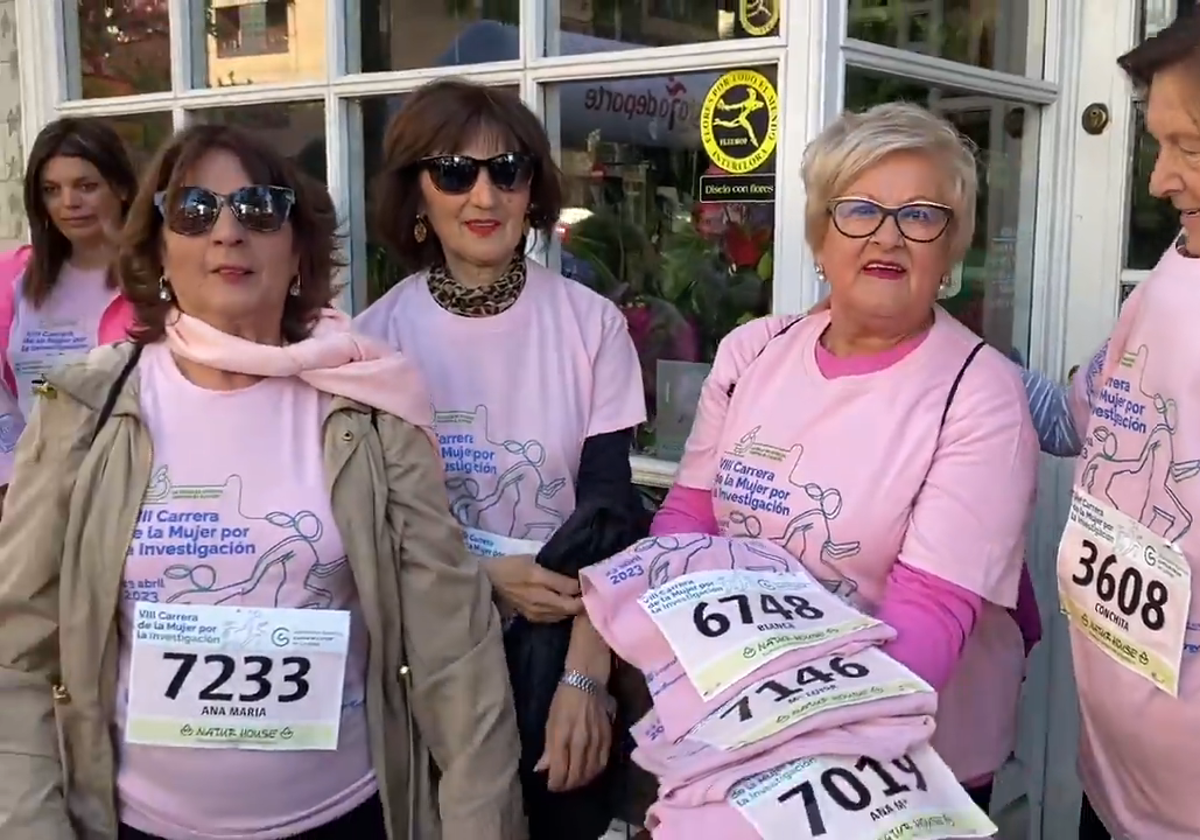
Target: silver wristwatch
{"type": "Point", "coordinates": [590, 687]}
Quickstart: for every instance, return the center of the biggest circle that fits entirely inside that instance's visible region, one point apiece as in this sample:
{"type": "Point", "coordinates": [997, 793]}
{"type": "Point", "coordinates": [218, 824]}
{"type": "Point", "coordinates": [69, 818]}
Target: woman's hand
{"type": "Point", "coordinates": [538, 594]}
{"type": "Point", "coordinates": [578, 738]}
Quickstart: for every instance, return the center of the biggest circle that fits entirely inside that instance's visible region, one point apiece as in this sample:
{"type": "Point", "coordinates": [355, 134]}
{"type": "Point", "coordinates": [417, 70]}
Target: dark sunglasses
{"type": "Point", "coordinates": [457, 174]}
{"type": "Point", "coordinates": [195, 209]}
{"type": "Point", "coordinates": [918, 221]}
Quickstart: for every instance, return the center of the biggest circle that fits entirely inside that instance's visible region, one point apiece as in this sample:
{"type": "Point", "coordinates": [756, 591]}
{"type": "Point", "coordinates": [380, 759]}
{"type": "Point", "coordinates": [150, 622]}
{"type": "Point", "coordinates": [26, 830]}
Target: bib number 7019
{"type": "Point", "coordinates": [855, 790]}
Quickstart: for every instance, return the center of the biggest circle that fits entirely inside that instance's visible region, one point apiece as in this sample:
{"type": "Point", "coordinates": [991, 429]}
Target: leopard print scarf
{"type": "Point", "coordinates": [479, 302]}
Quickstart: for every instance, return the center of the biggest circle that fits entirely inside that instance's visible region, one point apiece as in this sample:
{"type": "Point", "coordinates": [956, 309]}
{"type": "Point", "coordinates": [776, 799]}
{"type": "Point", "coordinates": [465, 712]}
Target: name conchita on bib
{"type": "Point", "coordinates": [236, 677]}
{"type": "Point", "coordinates": [1128, 590]}
{"type": "Point", "coordinates": [724, 625]}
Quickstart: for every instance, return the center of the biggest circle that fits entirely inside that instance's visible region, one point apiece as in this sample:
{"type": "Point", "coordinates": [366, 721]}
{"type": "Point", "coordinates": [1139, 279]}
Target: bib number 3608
{"type": "Point", "coordinates": [1126, 589]}
{"type": "Point", "coordinates": [235, 677]}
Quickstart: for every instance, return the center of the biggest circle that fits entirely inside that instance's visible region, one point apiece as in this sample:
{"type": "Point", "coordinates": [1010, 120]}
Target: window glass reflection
{"type": "Point", "coordinates": [259, 41]}
{"type": "Point", "coordinates": [124, 47]}
{"type": "Point", "coordinates": [591, 26]}
{"type": "Point", "coordinates": [993, 34]}
{"type": "Point", "coordinates": [411, 35]}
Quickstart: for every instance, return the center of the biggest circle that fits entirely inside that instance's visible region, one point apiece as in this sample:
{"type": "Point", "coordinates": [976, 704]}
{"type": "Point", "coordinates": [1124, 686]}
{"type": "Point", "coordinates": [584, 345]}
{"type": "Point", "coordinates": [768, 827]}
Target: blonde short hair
{"type": "Point", "coordinates": [855, 142]}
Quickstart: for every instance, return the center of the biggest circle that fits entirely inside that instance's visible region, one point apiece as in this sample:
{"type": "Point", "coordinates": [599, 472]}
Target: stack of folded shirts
{"type": "Point", "coordinates": [776, 716]}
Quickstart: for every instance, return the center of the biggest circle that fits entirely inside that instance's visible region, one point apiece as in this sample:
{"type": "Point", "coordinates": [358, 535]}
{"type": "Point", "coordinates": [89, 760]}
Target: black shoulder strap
{"type": "Point", "coordinates": [763, 349]}
{"type": "Point", "coordinates": [115, 390]}
{"type": "Point", "coordinates": [958, 380]}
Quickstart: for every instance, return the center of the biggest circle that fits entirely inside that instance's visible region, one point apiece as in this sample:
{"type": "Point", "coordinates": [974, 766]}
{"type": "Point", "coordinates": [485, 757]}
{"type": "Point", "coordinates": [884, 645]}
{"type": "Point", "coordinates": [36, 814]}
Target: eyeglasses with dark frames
{"type": "Point", "coordinates": [457, 174]}
{"type": "Point", "coordinates": [258, 208]}
{"type": "Point", "coordinates": [918, 221]}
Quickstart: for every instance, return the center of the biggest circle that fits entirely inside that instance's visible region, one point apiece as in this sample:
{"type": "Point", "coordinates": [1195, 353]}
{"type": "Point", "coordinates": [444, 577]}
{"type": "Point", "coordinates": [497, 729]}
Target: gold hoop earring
{"type": "Point", "coordinates": [420, 231]}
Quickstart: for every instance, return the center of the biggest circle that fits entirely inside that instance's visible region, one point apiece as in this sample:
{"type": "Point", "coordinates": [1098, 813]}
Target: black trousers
{"type": "Point", "coordinates": [1090, 827]}
{"type": "Point", "coordinates": [981, 796]}
{"type": "Point", "coordinates": [363, 823]}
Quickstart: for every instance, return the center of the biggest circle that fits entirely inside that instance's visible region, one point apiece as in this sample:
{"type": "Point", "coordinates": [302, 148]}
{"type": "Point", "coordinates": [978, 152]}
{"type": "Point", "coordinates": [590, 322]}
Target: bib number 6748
{"type": "Point", "coordinates": [1132, 593]}
{"type": "Point", "coordinates": [713, 623]}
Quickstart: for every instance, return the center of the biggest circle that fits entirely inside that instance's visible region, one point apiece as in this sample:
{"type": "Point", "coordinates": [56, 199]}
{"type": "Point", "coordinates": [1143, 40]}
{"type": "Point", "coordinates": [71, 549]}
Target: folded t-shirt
{"type": "Point", "coordinates": [701, 615]}
{"type": "Point", "coordinates": [691, 773]}
{"type": "Point", "coordinates": [833, 798]}
{"type": "Point", "coordinates": [798, 709]}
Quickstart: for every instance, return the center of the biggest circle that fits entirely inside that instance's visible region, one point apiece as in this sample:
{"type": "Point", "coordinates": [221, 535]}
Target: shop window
{"type": "Point", "coordinates": [411, 34]}
{"type": "Point", "coordinates": [259, 41]}
{"type": "Point", "coordinates": [594, 26]}
{"type": "Point", "coordinates": [297, 129]}
{"type": "Point", "coordinates": [676, 231]}
{"type": "Point", "coordinates": [992, 289]}
{"type": "Point", "coordinates": [251, 29]}
{"type": "Point", "coordinates": [993, 35]}
{"type": "Point", "coordinates": [123, 47]}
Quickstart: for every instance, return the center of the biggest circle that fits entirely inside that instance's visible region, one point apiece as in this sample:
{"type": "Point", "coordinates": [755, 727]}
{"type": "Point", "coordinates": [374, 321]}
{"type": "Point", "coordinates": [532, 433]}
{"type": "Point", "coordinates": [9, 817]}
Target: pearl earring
{"type": "Point", "coordinates": [164, 291]}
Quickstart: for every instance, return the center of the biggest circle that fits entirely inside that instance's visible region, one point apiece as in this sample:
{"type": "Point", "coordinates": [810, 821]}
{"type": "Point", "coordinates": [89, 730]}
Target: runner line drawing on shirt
{"type": "Point", "coordinates": [1147, 478]}
{"type": "Point", "coordinates": [809, 529]}
{"type": "Point", "coordinates": [480, 483]}
{"type": "Point", "coordinates": [294, 555]}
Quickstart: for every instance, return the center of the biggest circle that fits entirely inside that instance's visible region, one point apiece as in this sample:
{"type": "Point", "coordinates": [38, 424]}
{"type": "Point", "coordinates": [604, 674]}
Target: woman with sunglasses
{"type": "Point", "coordinates": [881, 441]}
{"type": "Point", "coordinates": [534, 379]}
{"type": "Point", "coordinates": [234, 601]}
{"type": "Point", "coordinates": [58, 295]}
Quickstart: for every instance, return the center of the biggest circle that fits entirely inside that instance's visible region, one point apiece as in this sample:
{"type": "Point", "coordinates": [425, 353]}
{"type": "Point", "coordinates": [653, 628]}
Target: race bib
{"type": "Point", "coordinates": [833, 682]}
{"type": "Point", "coordinates": [724, 625]}
{"type": "Point", "coordinates": [1126, 589]}
{"type": "Point", "coordinates": [484, 544]}
{"type": "Point", "coordinates": [911, 798]}
{"type": "Point", "coordinates": [234, 677]}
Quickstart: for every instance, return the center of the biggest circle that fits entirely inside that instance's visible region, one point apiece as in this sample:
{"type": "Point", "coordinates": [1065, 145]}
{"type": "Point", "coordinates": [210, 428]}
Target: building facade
{"type": "Point", "coordinates": [680, 127]}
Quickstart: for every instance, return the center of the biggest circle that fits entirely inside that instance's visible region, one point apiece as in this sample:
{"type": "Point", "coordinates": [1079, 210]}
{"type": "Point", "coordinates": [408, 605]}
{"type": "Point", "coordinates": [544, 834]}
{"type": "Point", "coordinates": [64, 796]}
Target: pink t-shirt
{"type": "Point", "coordinates": [219, 468]}
{"type": "Point", "coordinates": [694, 773]}
{"type": "Point", "coordinates": [81, 312]}
{"type": "Point", "coordinates": [628, 596]}
{"type": "Point", "coordinates": [853, 475]}
{"type": "Point", "coordinates": [1140, 751]}
{"type": "Point", "coordinates": [515, 395]}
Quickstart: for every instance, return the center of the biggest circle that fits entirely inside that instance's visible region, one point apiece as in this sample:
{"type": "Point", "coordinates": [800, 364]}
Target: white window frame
{"type": "Point", "coordinates": [812, 54]}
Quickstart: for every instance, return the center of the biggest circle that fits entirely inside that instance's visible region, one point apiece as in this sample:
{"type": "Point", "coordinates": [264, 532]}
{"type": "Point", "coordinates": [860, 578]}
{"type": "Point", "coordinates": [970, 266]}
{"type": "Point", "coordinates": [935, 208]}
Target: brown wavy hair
{"type": "Point", "coordinates": [94, 141]}
{"type": "Point", "coordinates": [313, 220]}
{"type": "Point", "coordinates": [443, 117]}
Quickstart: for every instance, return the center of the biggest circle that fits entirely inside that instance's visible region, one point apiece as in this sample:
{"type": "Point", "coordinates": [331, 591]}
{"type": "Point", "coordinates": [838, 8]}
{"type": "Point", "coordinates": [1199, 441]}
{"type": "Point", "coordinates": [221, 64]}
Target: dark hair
{"type": "Point", "coordinates": [313, 220]}
{"type": "Point", "coordinates": [444, 117]}
{"type": "Point", "coordinates": [90, 140]}
{"type": "Point", "coordinates": [1177, 44]}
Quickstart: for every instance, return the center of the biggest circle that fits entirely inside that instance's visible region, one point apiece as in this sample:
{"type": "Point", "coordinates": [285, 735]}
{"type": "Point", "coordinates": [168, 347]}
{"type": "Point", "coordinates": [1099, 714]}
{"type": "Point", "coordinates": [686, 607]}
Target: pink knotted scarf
{"type": "Point", "coordinates": [332, 359]}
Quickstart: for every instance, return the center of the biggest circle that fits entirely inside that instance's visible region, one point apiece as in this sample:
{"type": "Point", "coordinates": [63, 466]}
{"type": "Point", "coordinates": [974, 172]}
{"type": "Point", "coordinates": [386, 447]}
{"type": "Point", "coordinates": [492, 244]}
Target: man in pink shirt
{"type": "Point", "coordinates": [1125, 564]}
{"type": "Point", "coordinates": [880, 442]}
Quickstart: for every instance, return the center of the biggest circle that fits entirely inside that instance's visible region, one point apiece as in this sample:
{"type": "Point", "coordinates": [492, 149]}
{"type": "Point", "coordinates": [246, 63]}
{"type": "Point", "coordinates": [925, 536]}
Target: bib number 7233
{"type": "Point", "coordinates": [256, 671]}
{"type": "Point", "coordinates": [1128, 590]}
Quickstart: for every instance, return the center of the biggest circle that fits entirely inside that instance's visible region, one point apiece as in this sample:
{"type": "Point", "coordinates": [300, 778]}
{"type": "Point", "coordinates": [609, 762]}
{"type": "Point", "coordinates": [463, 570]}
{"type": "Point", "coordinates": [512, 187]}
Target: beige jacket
{"type": "Point", "coordinates": [437, 687]}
